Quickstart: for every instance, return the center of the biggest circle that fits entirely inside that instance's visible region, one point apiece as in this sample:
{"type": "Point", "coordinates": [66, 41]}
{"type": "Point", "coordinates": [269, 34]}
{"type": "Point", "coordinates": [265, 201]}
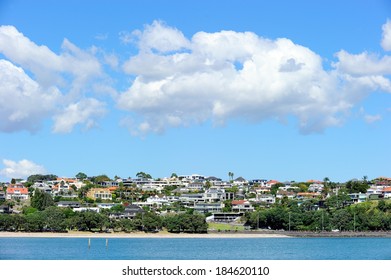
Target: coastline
{"type": "Point", "coordinates": [247, 234]}
{"type": "Point", "coordinates": [138, 235]}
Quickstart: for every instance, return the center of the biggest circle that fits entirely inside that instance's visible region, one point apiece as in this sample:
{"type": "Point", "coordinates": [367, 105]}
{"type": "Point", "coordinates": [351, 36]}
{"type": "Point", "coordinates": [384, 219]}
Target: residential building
{"type": "Point", "coordinates": [101, 193]}
{"type": "Point", "coordinates": [21, 193]}
{"type": "Point", "coordinates": [208, 207]}
{"type": "Point", "coordinates": [68, 204]}
{"type": "Point", "coordinates": [242, 206]}
{"type": "Point", "coordinates": [266, 198]}
{"type": "Point", "coordinates": [358, 197]}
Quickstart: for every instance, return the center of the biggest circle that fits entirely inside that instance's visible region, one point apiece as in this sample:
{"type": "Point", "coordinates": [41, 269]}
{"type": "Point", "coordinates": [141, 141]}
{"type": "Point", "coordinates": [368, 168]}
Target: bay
{"type": "Point", "coordinates": [195, 249]}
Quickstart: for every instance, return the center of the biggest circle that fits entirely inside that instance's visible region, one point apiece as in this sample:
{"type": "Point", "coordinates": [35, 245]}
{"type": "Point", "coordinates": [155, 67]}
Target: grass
{"type": "Point", "coordinates": [225, 227]}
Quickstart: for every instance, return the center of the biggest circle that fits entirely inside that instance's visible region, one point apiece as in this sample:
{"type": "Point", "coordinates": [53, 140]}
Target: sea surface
{"type": "Point", "coordinates": [195, 249]}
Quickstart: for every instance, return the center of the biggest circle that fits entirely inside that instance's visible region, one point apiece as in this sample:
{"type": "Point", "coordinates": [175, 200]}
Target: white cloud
{"type": "Point", "coordinates": [386, 38]}
{"type": "Point", "coordinates": [160, 37]}
{"type": "Point", "coordinates": [23, 102]}
{"type": "Point", "coordinates": [21, 169]}
{"type": "Point", "coordinates": [54, 83]}
{"type": "Point", "coordinates": [224, 75]}
{"type": "Point", "coordinates": [372, 118]}
{"type": "Point", "coordinates": [84, 112]}
{"type": "Point", "coordinates": [363, 64]}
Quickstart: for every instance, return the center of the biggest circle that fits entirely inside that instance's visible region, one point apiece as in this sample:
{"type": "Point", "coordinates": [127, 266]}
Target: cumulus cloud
{"type": "Point", "coordinates": [21, 169]}
{"type": "Point", "coordinates": [23, 102]}
{"type": "Point", "coordinates": [54, 83]}
{"type": "Point", "coordinates": [386, 38]}
{"type": "Point", "coordinates": [83, 112]}
{"type": "Point", "coordinates": [224, 75]}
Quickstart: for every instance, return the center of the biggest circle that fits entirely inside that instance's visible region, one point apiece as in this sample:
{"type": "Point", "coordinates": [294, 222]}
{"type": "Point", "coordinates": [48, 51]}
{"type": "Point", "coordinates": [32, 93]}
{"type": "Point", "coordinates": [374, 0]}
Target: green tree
{"type": "Point", "coordinates": [41, 200]}
{"type": "Point", "coordinates": [143, 175]}
{"type": "Point", "coordinates": [34, 222]}
{"type": "Point", "coordinates": [227, 206]}
{"type": "Point", "coordinates": [40, 177]}
{"type": "Point", "coordinates": [186, 222]}
{"type": "Point", "coordinates": [231, 176]}
{"type": "Point", "coordinates": [81, 176]}
{"type": "Point", "coordinates": [150, 221]}
{"type": "Point", "coordinates": [275, 187]}
{"type": "Point", "coordinates": [55, 219]}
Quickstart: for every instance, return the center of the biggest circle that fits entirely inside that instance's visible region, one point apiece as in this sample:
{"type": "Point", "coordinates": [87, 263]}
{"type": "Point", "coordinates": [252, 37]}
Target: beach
{"type": "Point", "coordinates": [76, 234]}
{"type": "Point", "coordinates": [164, 234]}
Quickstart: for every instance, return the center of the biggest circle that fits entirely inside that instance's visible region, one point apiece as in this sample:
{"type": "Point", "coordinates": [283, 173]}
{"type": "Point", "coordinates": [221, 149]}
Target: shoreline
{"type": "Point", "coordinates": [137, 235]}
{"type": "Point", "coordinates": [246, 234]}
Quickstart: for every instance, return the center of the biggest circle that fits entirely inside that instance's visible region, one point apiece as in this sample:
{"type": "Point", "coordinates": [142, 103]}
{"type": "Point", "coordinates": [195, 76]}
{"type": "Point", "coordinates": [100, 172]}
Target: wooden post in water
{"type": "Point", "coordinates": [89, 243]}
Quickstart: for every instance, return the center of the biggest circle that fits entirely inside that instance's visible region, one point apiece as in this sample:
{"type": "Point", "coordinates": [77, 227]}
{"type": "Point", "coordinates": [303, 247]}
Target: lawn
{"type": "Point", "coordinates": [225, 227]}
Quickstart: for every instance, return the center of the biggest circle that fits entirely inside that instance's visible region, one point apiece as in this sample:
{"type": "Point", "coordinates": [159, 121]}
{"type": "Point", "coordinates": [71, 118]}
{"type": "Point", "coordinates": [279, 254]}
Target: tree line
{"type": "Point", "coordinates": [55, 219]}
{"type": "Point", "coordinates": [365, 216]}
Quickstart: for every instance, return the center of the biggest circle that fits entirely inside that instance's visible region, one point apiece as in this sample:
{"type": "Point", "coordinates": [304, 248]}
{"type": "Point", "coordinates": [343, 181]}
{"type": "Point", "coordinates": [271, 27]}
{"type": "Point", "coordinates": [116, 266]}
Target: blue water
{"type": "Point", "coordinates": [196, 249]}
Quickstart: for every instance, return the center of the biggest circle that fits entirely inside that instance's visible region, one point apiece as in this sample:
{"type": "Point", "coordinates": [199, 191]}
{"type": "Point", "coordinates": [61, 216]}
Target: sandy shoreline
{"type": "Point", "coordinates": [138, 235]}
{"type": "Point", "coordinates": [251, 234]}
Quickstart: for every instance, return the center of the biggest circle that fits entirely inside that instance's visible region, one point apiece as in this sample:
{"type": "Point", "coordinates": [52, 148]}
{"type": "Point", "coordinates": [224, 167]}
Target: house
{"type": "Point", "coordinates": [242, 206]}
{"type": "Point", "coordinates": [271, 183]}
{"type": "Point", "coordinates": [191, 198]}
{"type": "Point", "coordinates": [303, 195]}
{"type": "Point", "coordinates": [196, 186]}
{"type": "Point", "coordinates": [281, 194]}
{"type": "Point", "coordinates": [2, 195]}
{"type": "Point", "coordinates": [358, 197]}
{"type": "Point", "coordinates": [214, 194]}
{"type": "Point", "coordinates": [130, 212]}
{"type": "Point", "coordinates": [258, 182]}
{"type": "Point", "coordinates": [101, 193]}
{"type": "Point", "coordinates": [387, 192]}
{"type": "Point", "coordinates": [68, 204]}
{"type": "Point", "coordinates": [315, 187]}
{"type": "Point", "coordinates": [266, 198]}
{"type": "Point", "coordinates": [240, 181]}
{"type": "Point", "coordinates": [43, 186]}
{"type": "Point", "coordinates": [21, 193]}
{"type": "Point", "coordinates": [209, 207]}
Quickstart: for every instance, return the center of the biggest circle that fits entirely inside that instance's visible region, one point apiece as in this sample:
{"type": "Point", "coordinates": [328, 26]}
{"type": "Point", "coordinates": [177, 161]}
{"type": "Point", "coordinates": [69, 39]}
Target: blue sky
{"type": "Point", "coordinates": [286, 90]}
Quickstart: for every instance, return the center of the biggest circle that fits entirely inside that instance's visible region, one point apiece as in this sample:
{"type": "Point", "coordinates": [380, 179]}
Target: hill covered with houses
{"type": "Point", "coordinates": [189, 203]}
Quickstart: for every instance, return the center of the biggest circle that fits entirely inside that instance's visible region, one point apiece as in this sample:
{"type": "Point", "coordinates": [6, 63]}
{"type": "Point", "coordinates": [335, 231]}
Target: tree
{"type": "Point", "coordinates": [231, 176]}
{"type": "Point", "coordinates": [55, 219]}
{"type": "Point", "coordinates": [41, 200]}
{"type": "Point", "coordinates": [357, 186]}
{"type": "Point", "coordinates": [143, 175]}
{"type": "Point", "coordinates": [100, 178]}
{"type": "Point", "coordinates": [275, 187]}
{"type": "Point", "coordinates": [81, 176]}
{"type": "Point", "coordinates": [150, 221]}
{"type": "Point", "coordinates": [186, 222]}
{"type": "Point", "coordinates": [40, 177]}
{"type": "Point", "coordinates": [34, 222]}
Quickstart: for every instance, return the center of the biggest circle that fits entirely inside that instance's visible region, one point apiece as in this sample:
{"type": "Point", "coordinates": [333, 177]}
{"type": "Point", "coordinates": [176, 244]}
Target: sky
{"type": "Point", "coordinates": [285, 90]}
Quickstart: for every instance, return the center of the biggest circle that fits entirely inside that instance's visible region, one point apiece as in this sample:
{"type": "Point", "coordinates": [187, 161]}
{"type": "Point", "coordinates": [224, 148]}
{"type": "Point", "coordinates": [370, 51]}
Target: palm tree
{"type": "Point", "coordinates": [326, 188]}
{"type": "Point", "coordinates": [231, 176]}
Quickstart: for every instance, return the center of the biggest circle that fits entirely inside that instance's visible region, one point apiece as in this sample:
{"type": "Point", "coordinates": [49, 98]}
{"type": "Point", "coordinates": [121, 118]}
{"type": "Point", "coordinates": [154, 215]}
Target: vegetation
{"type": "Point", "coordinates": [40, 177]}
{"type": "Point", "coordinates": [366, 216]}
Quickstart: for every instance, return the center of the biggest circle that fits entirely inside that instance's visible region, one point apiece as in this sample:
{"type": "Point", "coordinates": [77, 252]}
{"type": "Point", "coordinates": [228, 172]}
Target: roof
{"type": "Point", "coordinates": [387, 189]}
{"type": "Point", "coordinates": [21, 190]}
{"type": "Point", "coordinates": [238, 202]}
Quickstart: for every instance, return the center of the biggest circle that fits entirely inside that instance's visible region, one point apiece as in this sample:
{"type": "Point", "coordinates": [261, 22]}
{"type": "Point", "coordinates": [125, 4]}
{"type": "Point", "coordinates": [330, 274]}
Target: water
{"type": "Point", "coordinates": [196, 249]}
